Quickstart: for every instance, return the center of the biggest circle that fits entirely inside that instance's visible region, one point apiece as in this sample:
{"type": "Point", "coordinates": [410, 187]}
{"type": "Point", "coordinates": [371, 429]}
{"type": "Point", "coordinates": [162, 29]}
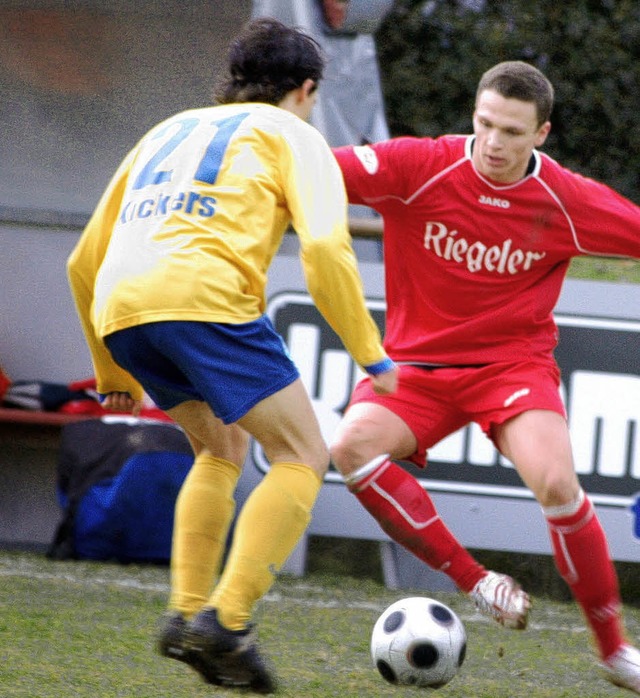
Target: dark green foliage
{"type": "Point", "coordinates": [432, 54]}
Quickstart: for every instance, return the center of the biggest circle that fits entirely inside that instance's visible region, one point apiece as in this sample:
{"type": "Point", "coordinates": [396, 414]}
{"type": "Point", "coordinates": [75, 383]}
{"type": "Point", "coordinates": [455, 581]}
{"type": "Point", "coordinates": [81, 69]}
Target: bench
{"type": "Point", "coordinates": [13, 415]}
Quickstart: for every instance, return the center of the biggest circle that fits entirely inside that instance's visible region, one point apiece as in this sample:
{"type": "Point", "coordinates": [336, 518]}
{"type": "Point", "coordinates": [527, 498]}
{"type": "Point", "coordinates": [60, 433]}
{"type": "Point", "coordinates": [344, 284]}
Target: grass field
{"type": "Point", "coordinates": [86, 630]}
{"type": "Point", "coordinates": [603, 269]}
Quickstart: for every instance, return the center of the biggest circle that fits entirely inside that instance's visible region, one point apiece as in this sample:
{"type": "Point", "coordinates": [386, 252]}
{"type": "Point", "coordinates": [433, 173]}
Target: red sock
{"type": "Point", "coordinates": [582, 558]}
{"type": "Point", "coordinates": [406, 514]}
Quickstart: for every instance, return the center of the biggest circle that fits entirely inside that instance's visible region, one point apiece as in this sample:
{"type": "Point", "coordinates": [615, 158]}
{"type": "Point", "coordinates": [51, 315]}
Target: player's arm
{"type": "Point", "coordinates": [604, 222]}
{"type": "Point", "coordinates": [317, 201]}
{"type": "Point", "coordinates": [82, 267]}
{"type": "Point", "coordinates": [380, 172]}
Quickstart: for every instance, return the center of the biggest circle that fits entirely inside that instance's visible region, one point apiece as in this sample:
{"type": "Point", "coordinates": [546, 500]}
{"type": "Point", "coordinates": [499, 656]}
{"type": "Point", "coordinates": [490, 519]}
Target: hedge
{"type": "Point", "coordinates": [432, 54]}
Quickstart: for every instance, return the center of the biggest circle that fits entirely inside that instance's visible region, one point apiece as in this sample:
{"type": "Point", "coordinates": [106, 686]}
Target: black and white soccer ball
{"type": "Point", "coordinates": [418, 641]}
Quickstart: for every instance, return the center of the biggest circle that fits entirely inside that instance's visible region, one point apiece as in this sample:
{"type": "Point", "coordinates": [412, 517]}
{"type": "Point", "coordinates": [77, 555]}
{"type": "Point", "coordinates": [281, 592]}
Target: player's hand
{"type": "Point", "coordinates": [122, 402]}
{"type": "Point", "coordinates": [387, 382]}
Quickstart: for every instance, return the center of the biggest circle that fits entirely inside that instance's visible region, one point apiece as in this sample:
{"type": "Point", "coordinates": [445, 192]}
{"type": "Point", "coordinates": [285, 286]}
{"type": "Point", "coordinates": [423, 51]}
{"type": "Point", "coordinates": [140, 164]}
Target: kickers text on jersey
{"type": "Point", "coordinates": [477, 256]}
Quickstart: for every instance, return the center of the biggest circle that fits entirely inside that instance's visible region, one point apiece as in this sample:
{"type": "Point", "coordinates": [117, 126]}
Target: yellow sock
{"type": "Point", "coordinates": [269, 526]}
{"type": "Point", "coordinates": [203, 514]}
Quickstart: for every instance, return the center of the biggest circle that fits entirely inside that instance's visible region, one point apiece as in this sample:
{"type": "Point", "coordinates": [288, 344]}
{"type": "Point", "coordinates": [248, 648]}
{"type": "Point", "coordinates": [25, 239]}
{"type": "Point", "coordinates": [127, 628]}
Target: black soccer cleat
{"type": "Point", "coordinates": [230, 657]}
{"type": "Point", "coordinates": [171, 644]}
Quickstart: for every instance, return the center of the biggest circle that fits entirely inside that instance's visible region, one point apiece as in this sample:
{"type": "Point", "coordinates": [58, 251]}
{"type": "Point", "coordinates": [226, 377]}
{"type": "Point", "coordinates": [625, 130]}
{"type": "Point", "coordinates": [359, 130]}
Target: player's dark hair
{"type": "Point", "coordinates": [267, 60]}
{"type": "Point", "coordinates": [520, 80]}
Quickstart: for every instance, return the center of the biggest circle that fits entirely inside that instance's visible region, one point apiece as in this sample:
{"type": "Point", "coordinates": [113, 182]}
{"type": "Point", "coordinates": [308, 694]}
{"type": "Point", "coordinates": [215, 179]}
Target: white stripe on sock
{"type": "Point", "coordinates": [365, 470]}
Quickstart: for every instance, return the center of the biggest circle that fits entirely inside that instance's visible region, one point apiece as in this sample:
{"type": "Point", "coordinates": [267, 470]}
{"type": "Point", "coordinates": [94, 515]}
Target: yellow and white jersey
{"type": "Point", "coordinates": [190, 222]}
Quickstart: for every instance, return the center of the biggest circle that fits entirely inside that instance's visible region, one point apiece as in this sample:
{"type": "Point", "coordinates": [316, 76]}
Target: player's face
{"type": "Point", "coordinates": [506, 132]}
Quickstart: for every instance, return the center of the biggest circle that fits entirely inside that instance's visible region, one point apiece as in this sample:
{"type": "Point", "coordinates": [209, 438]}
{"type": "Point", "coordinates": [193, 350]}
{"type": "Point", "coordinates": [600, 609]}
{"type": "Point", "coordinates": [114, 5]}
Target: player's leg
{"type": "Point", "coordinates": [369, 436]}
{"type": "Point", "coordinates": [203, 514]}
{"type": "Point", "coordinates": [162, 356]}
{"type": "Point", "coordinates": [538, 443]}
{"type": "Point", "coordinates": [205, 505]}
{"type": "Point", "coordinates": [402, 507]}
{"type": "Point", "coordinates": [267, 530]}
{"type": "Point", "coordinates": [278, 510]}
{"type": "Point", "coordinates": [246, 377]}
{"type": "Point", "coordinates": [182, 365]}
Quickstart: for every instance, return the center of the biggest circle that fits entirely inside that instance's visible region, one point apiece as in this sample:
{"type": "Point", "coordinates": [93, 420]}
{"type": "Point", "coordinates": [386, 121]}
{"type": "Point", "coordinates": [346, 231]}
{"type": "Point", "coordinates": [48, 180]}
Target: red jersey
{"type": "Point", "coordinates": [473, 267]}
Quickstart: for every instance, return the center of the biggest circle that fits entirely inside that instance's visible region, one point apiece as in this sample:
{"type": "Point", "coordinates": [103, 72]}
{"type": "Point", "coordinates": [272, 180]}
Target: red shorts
{"type": "Point", "coordinates": [435, 402]}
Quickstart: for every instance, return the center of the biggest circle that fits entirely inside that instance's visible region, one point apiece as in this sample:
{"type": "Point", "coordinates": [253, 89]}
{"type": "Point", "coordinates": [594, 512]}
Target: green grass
{"type": "Point", "coordinates": [603, 269]}
{"type": "Point", "coordinates": [87, 630]}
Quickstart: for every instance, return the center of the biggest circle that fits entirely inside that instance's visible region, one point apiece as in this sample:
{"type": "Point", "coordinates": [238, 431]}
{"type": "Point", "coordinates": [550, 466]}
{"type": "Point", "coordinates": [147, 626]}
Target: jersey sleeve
{"type": "Point", "coordinates": [82, 267]}
{"type": "Point", "coordinates": [316, 199]}
{"type": "Point", "coordinates": [381, 172]}
{"type": "Point", "coordinates": [605, 223]}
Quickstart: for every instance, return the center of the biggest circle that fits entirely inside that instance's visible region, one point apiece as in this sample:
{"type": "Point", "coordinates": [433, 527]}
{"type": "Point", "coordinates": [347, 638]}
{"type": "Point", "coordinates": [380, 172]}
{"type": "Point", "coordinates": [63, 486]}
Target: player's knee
{"type": "Point", "coordinates": [321, 467]}
{"type": "Point", "coordinates": [557, 490]}
{"type": "Point", "coordinates": [315, 456]}
{"type": "Point", "coordinates": [349, 451]}
{"type": "Point", "coordinates": [231, 444]}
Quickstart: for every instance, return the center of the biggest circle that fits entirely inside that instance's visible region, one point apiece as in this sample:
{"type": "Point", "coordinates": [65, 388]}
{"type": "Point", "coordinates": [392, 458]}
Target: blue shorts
{"type": "Point", "coordinates": [230, 367]}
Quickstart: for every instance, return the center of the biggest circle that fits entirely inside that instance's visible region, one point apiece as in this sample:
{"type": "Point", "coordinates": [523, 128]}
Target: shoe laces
{"type": "Point", "coordinates": [499, 596]}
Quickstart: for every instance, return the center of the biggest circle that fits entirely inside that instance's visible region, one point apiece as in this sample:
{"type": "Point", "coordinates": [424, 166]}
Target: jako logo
{"type": "Point", "coordinates": [492, 201]}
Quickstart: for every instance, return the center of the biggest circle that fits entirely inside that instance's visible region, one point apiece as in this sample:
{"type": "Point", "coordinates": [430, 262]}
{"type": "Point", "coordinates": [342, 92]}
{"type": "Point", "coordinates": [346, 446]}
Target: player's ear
{"type": "Point", "coordinates": [542, 134]}
{"type": "Point", "coordinates": [308, 87]}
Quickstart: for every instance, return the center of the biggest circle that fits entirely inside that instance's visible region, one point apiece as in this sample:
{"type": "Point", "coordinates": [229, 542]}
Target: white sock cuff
{"type": "Point", "coordinates": [565, 509]}
{"type": "Point", "coordinates": [365, 470]}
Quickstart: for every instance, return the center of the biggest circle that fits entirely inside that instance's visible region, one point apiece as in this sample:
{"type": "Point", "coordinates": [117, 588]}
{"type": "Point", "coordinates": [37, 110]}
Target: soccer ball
{"type": "Point", "coordinates": [418, 642]}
